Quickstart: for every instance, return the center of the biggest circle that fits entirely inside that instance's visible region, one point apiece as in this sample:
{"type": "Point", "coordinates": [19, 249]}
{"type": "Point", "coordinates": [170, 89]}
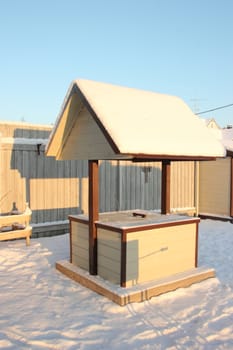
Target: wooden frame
{"type": "Point", "coordinates": [93, 207]}
{"type": "Point", "coordinates": [231, 190]}
{"type": "Point", "coordinates": [166, 182]}
{"type": "Point", "coordinates": [130, 295]}
{"type": "Point", "coordinates": [13, 220]}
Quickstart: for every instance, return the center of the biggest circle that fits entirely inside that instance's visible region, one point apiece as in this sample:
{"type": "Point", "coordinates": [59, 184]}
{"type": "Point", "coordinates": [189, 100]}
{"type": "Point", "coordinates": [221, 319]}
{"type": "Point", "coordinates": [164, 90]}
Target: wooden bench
{"type": "Point", "coordinates": [15, 226]}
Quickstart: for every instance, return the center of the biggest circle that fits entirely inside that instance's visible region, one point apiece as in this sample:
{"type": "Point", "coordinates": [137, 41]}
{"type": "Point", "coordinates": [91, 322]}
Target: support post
{"type": "Point", "coordinates": [231, 189]}
{"type": "Point", "coordinates": [165, 190]}
{"type": "Point", "coordinates": [93, 211]}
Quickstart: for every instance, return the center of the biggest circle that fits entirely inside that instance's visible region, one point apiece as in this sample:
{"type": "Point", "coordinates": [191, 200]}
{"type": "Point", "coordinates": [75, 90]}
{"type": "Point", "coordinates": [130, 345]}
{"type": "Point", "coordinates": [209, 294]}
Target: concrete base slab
{"type": "Point", "coordinates": [137, 293]}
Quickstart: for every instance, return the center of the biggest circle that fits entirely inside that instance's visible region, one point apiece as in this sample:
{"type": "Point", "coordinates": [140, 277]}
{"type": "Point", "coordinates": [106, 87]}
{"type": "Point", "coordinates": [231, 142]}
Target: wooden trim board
{"type": "Point", "coordinates": [216, 217]}
{"type": "Point", "coordinates": [231, 188]}
{"type": "Point", "coordinates": [146, 227]}
{"type": "Point", "coordinates": [166, 187]}
{"type": "Point", "coordinates": [93, 211]}
{"type": "Point", "coordinates": [138, 293]}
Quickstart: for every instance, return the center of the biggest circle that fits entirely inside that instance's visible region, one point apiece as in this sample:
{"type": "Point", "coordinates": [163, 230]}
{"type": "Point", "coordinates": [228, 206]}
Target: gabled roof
{"type": "Point", "coordinates": [104, 121]}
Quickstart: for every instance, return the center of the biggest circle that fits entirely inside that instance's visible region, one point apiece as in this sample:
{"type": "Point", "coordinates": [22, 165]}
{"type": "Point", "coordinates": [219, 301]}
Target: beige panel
{"type": "Point", "coordinates": [80, 262]}
{"type": "Point", "coordinates": [86, 140]}
{"type": "Point", "coordinates": [80, 251]}
{"type": "Point", "coordinates": [109, 275]}
{"type": "Point", "coordinates": [109, 263]}
{"type": "Point", "coordinates": [84, 195]}
{"type": "Point", "coordinates": [214, 190]}
{"type": "Point", "coordinates": [109, 255]}
{"type": "Point", "coordinates": [80, 244]}
{"type": "Point", "coordinates": [65, 124]}
{"type": "Point", "coordinates": [159, 253]}
{"type": "Point", "coordinates": [13, 185]}
{"type": "Point", "coordinates": [114, 253]}
{"type": "Point", "coordinates": [57, 193]}
{"type": "Point", "coordinates": [109, 238]}
{"type": "Point", "coordinates": [182, 186]}
{"type": "Point", "coordinates": [79, 230]}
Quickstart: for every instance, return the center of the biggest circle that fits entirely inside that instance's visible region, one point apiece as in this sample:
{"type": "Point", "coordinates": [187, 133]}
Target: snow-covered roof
{"type": "Point", "coordinates": [135, 123]}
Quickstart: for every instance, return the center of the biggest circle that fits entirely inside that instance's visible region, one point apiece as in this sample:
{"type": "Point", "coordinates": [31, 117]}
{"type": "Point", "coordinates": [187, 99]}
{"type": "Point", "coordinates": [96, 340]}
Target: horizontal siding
{"type": "Point", "coordinates": [109, 238]}
{"type": "Point", "coordinates": [80, 244]}
{"type": "Point", "coordinates": [109, 255]}
{"type": "Point", "coordinates": [80, 262]}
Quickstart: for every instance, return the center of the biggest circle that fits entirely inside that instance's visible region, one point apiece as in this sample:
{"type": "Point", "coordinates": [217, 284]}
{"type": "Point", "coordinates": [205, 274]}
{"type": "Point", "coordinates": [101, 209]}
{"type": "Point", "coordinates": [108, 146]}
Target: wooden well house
{"type": "Point", "coordinates": [136, 254]}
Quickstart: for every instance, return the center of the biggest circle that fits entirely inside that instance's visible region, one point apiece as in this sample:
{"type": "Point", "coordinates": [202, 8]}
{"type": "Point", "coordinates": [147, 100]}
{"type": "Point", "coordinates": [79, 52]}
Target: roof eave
{"type": "Point", "coordinates": [161, 157]}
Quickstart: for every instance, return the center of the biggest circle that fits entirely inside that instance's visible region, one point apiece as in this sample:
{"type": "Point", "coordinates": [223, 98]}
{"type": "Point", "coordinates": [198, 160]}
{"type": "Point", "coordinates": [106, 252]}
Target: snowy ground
{"type": "Point", "coordinates": [42, 309]}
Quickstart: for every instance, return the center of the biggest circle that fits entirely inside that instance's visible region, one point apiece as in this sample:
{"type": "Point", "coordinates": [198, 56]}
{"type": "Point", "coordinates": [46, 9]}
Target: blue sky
{"type": "Point", "coordinates": [177, 47]}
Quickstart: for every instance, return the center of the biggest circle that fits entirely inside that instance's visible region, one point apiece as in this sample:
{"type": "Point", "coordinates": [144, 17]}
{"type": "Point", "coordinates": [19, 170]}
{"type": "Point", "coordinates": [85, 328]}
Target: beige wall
{"type": "Point", "coordinates": [86, 138]}
{"type": "Point", "coordinates": [158, 253]}
{"type": "Point", "coordinates": [12, 184]}
{"type": "Point", "coordinates": [214, 190]}
{"type": "Point", "coordinates": [150, 255]}
{"type": "Point", "coordinates": [109, 255]}
{"type": "Point", "coordinates": [80, 245]}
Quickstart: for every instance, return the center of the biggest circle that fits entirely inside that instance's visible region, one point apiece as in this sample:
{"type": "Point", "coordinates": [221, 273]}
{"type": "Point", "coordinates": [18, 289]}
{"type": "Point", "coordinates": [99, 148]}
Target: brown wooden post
{"type": "Point", "coordinates": [165, 190]}
{"type": "Point", "coordinates": [123, 259]}
{"type": "Point", "coordinates": [196, 247]}
{"type": "Point", "coordinates": [93, 210]}
{"type": "Point", "coordinates": [231, 189]}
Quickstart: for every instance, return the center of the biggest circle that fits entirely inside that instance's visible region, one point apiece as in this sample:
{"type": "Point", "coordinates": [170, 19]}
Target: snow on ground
{"type": "Point", "coordinates": [42, 309]}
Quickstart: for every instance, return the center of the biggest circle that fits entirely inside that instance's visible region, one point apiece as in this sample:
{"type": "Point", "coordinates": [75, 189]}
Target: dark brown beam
{"type": "Point", "coordinates": [231, 189]}
{"type": "Point", "coordinates": [93, 210]}
{"type": "Point", "coordinates": [165, 190]}
{"type": "Point", "coordinates": [160, 157]}
{"type": "Point", "coordinates": [123, 259]}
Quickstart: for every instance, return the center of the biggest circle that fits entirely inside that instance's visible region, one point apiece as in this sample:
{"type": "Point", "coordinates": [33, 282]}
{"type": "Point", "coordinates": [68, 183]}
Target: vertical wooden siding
{"type": "Point", "coordinates": [53, 189]}
{"type": "Point", "coordinates": [215, 180]}
{"type": "Point", "coordinates": [182, 186]}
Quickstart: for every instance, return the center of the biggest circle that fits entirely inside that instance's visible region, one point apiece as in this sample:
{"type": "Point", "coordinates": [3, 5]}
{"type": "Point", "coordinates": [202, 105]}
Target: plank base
{"type": "Point", "coordinates": [138, 293]}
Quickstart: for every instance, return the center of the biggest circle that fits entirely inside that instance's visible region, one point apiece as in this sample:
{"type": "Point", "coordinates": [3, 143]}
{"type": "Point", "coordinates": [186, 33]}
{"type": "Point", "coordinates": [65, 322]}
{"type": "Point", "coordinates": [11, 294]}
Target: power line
{"type": "Point", "coordinates": [215, 109]}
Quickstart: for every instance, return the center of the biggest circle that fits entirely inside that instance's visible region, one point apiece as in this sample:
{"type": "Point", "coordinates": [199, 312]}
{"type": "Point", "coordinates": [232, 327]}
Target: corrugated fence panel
{"type": "Point", "coordinates": [125, 185]}
{"type": "Point", "coordinates": [56, 189]}
{"type": "Point", "coordinates": [182, 185]}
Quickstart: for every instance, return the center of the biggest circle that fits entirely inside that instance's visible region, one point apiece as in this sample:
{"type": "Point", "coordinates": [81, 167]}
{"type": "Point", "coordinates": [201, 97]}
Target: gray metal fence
{"type": "Point", "coordinates": [55, 189]}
